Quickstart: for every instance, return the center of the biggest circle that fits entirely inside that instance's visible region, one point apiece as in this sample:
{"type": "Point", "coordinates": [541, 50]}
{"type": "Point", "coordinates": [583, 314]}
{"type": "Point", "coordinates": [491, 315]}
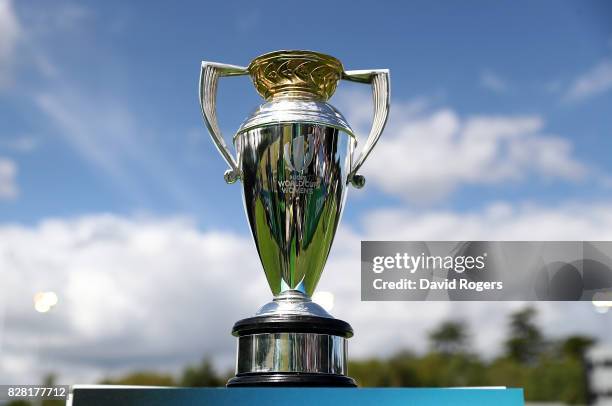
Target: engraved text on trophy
{"type": "Point", "coordinates": [298, 155]}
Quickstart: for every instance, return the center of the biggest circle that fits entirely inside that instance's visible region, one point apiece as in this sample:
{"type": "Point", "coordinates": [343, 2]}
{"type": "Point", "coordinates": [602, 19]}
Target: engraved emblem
{"type": "Point", "coordinates": [297, 157]}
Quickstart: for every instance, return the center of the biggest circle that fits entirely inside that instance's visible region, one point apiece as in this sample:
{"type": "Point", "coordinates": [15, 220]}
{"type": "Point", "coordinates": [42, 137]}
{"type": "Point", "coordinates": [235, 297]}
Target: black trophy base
{"type": "Point", "coordinates": [288, 379]}
{"type": "Point", "coordinates": [260, 332]}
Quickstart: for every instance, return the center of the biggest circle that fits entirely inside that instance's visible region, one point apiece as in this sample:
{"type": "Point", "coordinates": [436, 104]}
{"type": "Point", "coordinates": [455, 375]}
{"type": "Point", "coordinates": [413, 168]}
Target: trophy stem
{"type": "Point", "coordinates": [292, 302]}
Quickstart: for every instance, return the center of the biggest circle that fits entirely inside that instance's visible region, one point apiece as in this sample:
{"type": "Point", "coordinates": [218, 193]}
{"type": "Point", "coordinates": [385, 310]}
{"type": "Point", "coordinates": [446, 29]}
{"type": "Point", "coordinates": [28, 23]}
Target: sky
{"type": "Point", "coordinates": [112, 194]}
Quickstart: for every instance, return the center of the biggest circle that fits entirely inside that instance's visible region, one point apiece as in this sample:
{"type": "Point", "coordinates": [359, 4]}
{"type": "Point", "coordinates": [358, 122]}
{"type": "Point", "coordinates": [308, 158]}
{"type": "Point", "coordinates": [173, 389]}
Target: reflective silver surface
{"type": "Point", "coordinates": [292, 352]}
{"type": "Point", "coordinates": [292, 302]}
{"type": "Point", "coordinates": [294, 178]}
{"type": "Point", "coordinates": [381, 98]}
{"type": "Point", "coordinates": [295, 158]}
{"type": "Point", "coordinates": [210, 72]}
{"type": "Point", "coordinates": [295, 110]}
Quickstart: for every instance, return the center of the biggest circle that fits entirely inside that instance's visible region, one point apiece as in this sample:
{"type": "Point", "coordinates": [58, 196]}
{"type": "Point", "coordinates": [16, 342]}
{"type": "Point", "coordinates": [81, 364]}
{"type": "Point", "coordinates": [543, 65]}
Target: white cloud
{"type": "Point", "coordinates": [425, 157]}
{"type": "Point", "coordinates": [25, 37]}
{"type": "Point", "coordinates": [132, 293]}
{"type": "Point", "coordinates": [97, 135]}
{"type": "Point", "coordinates": [97, 124]}
{"type": "Point", "coordinates": [491, 81]}
{"type": "Point", "coordinates": [159, 293]}
{"type": "Point", "coordinates": [67, 17]}
{"type": "Point", "coordinates": [25, 143]}
{"type": "Point", "coordinates": [497, 221]}
{"type": "Point", "coordinates": [593, 82]}
{"type": "Point", "coordinates": [8, 175]}
{"type": "Point", "coordinates": [32, 31]}
{"type": "Point", "coordinates": [70, 16]}
{"type": "Point", "coordinates": [9, 34]}
{"type": "Point", "coordinates": [385, 327]}
{"type": "Point", "coordinates": [105, 133]}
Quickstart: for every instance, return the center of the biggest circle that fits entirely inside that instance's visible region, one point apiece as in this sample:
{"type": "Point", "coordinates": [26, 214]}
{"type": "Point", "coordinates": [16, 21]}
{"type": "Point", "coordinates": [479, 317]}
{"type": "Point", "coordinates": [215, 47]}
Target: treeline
{"type": "Point", "coordinates": [548, 369]}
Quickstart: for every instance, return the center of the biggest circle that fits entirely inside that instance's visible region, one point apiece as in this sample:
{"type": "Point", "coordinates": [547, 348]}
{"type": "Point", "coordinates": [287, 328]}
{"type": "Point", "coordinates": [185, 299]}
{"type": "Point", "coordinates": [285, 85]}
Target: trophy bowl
{"type": "Point", "coordinates": [295, 157]}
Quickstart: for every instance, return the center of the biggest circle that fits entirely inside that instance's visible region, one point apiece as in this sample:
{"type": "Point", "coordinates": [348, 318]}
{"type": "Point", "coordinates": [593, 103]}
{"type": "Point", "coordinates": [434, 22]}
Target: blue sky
{"type": "Point", "coordinates": [125, 74]}
{"type": "Point", "coordinates": [112, 194]}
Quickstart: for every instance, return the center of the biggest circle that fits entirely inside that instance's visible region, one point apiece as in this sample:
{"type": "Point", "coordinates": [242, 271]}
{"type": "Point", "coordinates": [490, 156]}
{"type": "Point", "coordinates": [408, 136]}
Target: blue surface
{"type": "Point", "coordinates": [295, 396]}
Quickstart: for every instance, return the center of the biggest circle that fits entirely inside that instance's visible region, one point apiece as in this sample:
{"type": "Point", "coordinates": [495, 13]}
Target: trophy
{"type": "Point", "coordinates": [295, 156]}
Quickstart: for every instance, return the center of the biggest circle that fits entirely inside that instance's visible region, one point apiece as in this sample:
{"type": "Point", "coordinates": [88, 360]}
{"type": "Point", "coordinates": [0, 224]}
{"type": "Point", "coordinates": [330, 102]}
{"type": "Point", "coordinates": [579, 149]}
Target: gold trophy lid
{"type": "Point", "coordinates": [295, 73]}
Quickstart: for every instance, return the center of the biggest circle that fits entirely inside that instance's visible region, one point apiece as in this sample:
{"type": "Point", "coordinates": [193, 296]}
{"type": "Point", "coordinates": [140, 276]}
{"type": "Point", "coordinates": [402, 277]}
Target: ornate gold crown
{"type": "Point", "coordinates": [295, 73]}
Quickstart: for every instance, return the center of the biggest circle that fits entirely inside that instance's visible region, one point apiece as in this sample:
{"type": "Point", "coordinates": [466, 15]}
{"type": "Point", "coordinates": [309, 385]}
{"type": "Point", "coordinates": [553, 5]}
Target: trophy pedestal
{"type": "Point", "coordinates": [292, 342]}
{"type": "Point", "coordinates": [111, 395]}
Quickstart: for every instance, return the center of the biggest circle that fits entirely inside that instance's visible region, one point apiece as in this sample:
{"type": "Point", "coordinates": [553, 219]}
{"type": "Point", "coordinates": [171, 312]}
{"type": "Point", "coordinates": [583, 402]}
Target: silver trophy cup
{"type": "Point", "coordinates": [295, 158]}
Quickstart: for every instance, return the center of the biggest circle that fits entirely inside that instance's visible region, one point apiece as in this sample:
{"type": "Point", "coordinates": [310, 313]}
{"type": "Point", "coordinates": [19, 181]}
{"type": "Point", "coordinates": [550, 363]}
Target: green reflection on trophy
{"type": "Point", "coordinates": [296, 155]}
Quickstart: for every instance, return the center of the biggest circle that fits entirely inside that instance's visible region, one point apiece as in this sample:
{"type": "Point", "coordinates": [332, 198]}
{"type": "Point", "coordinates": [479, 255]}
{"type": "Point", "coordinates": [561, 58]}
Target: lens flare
{"type": "Point", "coordinates": [45, 301]}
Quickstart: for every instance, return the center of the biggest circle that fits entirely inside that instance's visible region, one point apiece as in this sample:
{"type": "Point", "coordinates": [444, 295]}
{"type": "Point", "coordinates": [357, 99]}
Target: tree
{"type": "Point", "coordinates": [403, 367]}
{"type": "Point", "coordinates": [525, 342]}
{"type": "Point", "coordinates": [142, 378]}
{"type": "Point", "coordinates": [372, 372]}
{"type": "Point", "coordinates": [49, 380]}
{"type": "Point", "coordinates": [576, 346]}
{"type": "Point", "coordinates": [449, 338]}
{"type": "Point", "coordinates": [201, 375]}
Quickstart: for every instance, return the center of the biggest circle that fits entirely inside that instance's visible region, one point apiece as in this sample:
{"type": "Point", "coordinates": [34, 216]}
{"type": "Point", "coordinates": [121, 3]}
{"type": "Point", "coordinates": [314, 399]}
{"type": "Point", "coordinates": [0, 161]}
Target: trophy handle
{"type": "Point", "coordinates": [209, 76]}
{"type": "Point", "coordinates": [381, 93]}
